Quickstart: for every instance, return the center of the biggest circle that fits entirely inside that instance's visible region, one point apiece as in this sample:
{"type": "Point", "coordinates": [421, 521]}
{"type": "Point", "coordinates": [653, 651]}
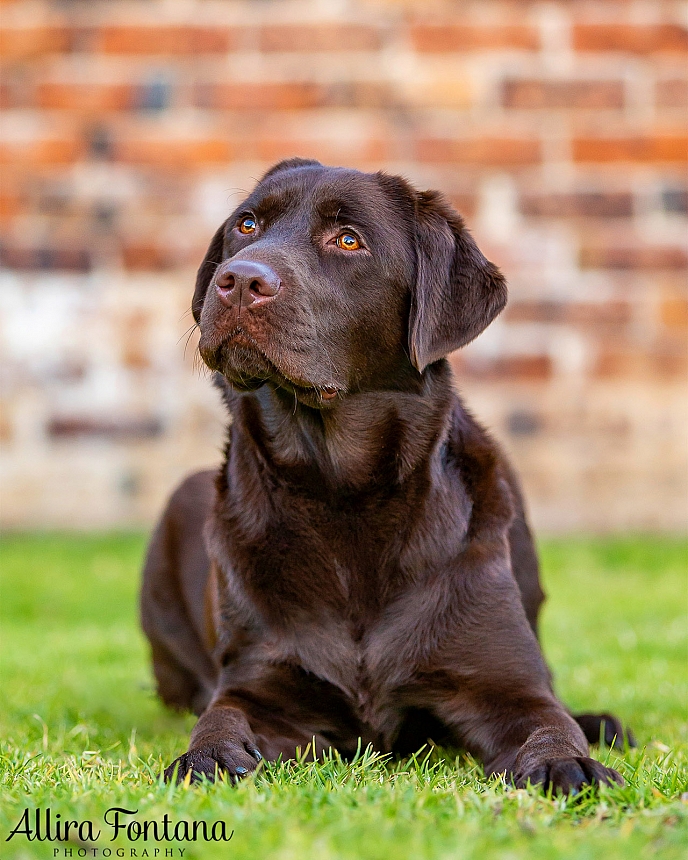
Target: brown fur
{"type": "Point", "coordinates": [373, 576]}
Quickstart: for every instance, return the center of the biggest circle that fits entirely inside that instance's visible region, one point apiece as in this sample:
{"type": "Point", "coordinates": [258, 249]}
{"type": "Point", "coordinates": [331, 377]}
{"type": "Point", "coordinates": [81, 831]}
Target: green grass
{"type": "Point", "coordinates": [82, 731]}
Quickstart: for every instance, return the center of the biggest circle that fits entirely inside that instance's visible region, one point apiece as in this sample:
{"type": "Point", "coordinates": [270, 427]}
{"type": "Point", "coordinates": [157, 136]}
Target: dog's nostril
{"type": "Point", "coordinates": [265, 286]}
{"type": "Point", "coordinates": [226, 281]}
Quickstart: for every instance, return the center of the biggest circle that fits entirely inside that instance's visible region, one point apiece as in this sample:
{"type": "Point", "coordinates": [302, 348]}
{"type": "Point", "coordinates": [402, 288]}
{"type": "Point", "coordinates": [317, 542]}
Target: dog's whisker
{"type": "Point", "coordinates": [187, 334]}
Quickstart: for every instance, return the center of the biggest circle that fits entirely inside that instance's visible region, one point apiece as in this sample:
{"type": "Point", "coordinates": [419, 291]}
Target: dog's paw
{"type": "Point", "coordinates": [568, 775]}
{"type": "Point", "coordinates": [233, 758]}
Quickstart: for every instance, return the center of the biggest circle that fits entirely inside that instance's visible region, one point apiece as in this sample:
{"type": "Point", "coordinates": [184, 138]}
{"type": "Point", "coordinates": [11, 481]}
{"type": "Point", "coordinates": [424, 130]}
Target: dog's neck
{"type": "Point", "coordinates": [365, 442]}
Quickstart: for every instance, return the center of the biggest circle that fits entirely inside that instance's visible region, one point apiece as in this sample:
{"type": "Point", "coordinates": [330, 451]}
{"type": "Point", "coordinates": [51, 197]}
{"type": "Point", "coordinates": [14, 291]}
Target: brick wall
{"type": "Point", "coordinates": [130, 129]}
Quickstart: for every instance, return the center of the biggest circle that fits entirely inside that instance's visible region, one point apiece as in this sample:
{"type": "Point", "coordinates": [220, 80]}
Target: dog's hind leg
{"type": "Point", "coordinates": [172, 598]}
{"type": "Point", "coordinates": [596, 727]}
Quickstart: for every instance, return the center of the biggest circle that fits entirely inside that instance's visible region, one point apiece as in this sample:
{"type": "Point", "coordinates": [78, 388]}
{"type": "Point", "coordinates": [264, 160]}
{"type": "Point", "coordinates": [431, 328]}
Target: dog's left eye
{"type": "Point", "coordinates": [247, 225]}
{"type": "Point", "coordinates": [348, 242]}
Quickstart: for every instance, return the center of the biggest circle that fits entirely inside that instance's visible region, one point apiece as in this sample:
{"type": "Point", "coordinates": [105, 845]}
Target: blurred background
{"type": "Point", "coordinates": [132, 127]}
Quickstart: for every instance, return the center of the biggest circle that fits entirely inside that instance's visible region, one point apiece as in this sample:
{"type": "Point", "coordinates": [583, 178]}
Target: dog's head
{"type": "Point", "coordinates": [326, 281]}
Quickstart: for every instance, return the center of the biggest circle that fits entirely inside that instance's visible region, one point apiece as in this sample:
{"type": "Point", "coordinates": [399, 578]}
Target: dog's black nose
{"type": "Point", "coordinates": [246, 282]}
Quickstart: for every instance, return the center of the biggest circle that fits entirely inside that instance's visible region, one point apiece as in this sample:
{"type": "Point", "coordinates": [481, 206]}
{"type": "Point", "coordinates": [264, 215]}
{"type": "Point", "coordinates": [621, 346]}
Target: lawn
{"type": "Point", "coordinates": [82, 730]}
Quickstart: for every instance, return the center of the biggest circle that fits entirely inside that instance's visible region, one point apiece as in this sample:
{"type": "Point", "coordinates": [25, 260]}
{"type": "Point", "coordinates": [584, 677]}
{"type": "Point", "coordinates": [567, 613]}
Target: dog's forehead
{"type": "Point", "coordinates": [325, 192]}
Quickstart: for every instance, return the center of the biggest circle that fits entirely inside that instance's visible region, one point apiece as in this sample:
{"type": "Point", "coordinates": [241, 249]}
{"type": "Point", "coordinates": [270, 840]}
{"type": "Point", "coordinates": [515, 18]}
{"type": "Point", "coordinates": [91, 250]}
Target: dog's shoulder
{"type": "Point", "coordinates": [484, 470]}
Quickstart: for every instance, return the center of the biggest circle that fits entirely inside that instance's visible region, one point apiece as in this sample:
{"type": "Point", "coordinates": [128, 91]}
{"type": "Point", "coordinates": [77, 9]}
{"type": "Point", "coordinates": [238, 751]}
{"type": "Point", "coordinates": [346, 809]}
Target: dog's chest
{"type": "Point", "coordinates": [327, 627]}
{"type": "Point", "coordinates": [338, 652]}
{"type": "Point", "coordinates": [313, 564]}
{"type": "Point", "coordinates": [332, 592]}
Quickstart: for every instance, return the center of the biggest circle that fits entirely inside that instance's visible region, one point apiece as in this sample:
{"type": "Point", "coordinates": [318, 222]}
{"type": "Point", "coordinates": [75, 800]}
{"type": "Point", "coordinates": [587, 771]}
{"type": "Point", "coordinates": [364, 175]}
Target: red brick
{"type": "Point", "coordinates": [319, 37]}
{"type": "Point", "coordinates": [585, 204]}
{"type": "Point", "coordinates": [175, 40]}
{"type": "Point", "coordinates": [84, 97]}
{"type": "Point", "coordinates": [589, 314]}
{"type": "Point", "coordinates": [371, 94]}
{"type": "Point", "coordinates": [674, 313]}
{"type": "Point", "coordinates": [42, 152]}
{"type": "Point", "coordinates": [145, 256]}
{"type": "Point", "coordinates": [166, 153]}
{"type": "Point", "coordinates": [630, 38]}
{"type": "Point", "coordinates": [666, 360]}
{"type": "Point", "coordinates": [23, 258]}
{"type": "Point", "coordinates": [15, 95]}
{"type": "Point", "coordinates": [27, 42]}
{"type": "Point", "coordinates": [134, 340]}
{"type": "Point", "coordinates": [353, 153]}
{"type": "Point", "coordinates": [7, 98]}
{"type": "Point", "coordinates": [515, 367]}
{"type": "Point", "coordinates": [466, 204]}
{"type": "Point", "coordinates": [672, 93]}
{"type": "Point", "coordinates": [647, 148]}
{"type": "Point", "coordinates": [615, 313]}
{"type": "Point", "coordinates": [490, 151]}
{"type": "Point", "coordinates": [264, 96]}
{"type": "Point", "coordinates": [6, 428]}
{"type": "Point", "coordinates": [443, 38]}
{"type": "Point", "coordinates": [670, 363]}
{"type": "Point", "coordinates": [562, 94]}
{"type": "Point", "coordinates": [12, 203]}
{"type": "Point", "coordinates": [14, 197]}
{"type": "Point", "coordinates": [73, 427]}
{"type": "Point", "coordinates": [614, 362]}
{"type": "Point", "coordinates": [633, 257]}
{"type": "Point", "coordinates": [292, 95]}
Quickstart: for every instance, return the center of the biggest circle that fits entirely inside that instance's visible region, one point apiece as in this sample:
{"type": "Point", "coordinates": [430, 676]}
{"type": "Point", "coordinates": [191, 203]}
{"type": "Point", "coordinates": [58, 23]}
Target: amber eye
{"type": "Point", "coordinates": [348, 242]}
{"type": "Point", "coordinates": [247, 225]}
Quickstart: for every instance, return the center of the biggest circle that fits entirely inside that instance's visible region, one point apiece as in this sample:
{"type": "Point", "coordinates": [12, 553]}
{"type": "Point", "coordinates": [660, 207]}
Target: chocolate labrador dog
{"type": "Point", "coordinates": [360, 570]}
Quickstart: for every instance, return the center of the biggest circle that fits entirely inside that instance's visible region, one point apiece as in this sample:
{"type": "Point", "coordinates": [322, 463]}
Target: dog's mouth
{"type": "Point", "coordinates": [247, 366]}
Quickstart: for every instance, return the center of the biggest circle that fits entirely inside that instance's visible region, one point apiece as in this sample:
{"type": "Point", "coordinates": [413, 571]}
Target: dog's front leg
{"type": "Point", "coordinates": [221, 742]}
{"type": "Point", "coordinates": [554, 755]}
{"type": "Point", "coordinates": [471, 657]}
{"type": "Point", "coordinates": [276, 714]}
{"type": "Point", "coordinates": [522, 732]}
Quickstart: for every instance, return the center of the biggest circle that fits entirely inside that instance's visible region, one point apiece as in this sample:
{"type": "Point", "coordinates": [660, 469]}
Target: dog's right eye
{"type": "Point", "coordinates": [247, 225]}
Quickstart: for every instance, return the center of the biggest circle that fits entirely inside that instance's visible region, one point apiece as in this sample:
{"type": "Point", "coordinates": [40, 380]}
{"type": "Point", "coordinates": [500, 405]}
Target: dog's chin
{"type": "Point", "coordinates": [246, 368]}
{"type": "Point", "coordinates": [243, 366]}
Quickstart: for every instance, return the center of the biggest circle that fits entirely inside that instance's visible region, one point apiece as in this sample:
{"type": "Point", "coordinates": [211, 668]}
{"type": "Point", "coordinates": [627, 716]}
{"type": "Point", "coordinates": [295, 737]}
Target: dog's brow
{"type": "Point", "coordinates": [337, 210]}
{"type": "Point", "coordinates": [273, 204]}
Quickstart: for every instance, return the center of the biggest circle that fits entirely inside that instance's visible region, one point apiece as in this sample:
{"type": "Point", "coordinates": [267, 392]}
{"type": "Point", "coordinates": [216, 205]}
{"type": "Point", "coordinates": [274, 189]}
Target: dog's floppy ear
{"type": "Point", "coordinates": [212, 259]}
{"type": "Point", "coordinates": [457, 292]}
